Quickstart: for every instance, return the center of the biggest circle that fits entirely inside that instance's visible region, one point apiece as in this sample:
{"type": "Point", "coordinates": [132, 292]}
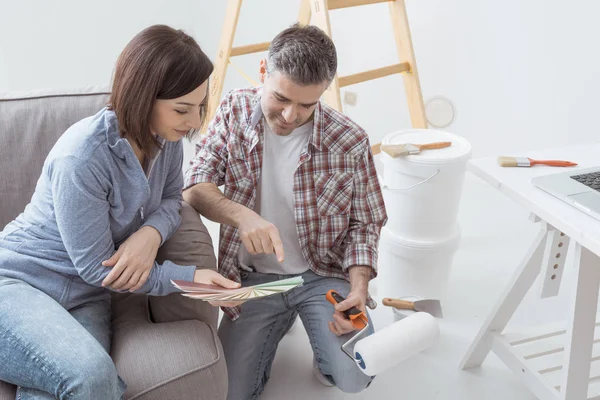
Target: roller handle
{"type": "Point", "coordinates": [335, 298]}
{"type": "Point", "coordinates": [399, 304]}
{"type": "Point", "coordinates": [357, 317]}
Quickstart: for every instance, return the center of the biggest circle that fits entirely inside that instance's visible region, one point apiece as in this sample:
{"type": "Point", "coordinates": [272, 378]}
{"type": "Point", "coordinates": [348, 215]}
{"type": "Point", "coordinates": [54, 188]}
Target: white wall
{"type": "Point", "coordinates": [521, 74]}
{"type": "Point", "coordinates": [71, 43]}
{"type": "Point", "coordinates": [74, 43]}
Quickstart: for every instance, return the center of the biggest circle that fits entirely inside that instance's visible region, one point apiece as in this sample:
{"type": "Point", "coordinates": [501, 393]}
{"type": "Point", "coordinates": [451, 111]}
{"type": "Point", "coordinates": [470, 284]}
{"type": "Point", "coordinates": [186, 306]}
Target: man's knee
{"type": "Point", "coordinates": [345, 373]}
{"type": "Point", "coordinates": [349, 379]}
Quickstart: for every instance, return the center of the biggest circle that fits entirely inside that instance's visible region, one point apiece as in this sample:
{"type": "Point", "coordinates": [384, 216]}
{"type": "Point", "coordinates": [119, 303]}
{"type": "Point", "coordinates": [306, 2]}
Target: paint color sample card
{"type": "Point", "coordinates": [217, 293]}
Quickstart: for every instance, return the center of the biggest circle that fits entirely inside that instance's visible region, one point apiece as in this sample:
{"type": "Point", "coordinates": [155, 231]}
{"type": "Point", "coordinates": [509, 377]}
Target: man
{"type": "Point", "coordinates": [301, 197]}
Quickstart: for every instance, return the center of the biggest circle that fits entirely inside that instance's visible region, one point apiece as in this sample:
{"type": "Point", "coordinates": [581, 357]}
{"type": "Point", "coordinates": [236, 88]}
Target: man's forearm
{"type": "Point", "coordinates": [359, 277]}
{"type": "Point", "coordinates": [208, 200]}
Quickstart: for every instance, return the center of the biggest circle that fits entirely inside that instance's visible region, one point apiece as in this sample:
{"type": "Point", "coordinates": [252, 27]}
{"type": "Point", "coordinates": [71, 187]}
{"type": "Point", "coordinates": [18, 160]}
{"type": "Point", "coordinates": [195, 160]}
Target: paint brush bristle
{"type": "Point", "coordinates": [514, 162]}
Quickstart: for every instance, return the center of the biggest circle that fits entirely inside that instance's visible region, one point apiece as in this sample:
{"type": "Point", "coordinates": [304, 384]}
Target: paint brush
{"type": "Point", "coordinates": [396, 150]}
{"type": "Point", "coordinates": [529, 162]}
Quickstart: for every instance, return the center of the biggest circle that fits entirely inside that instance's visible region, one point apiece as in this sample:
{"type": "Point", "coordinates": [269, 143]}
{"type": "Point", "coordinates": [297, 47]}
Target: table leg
{"type": "Point", "coordinates": [581, 325]}
{"type": "Point", "coordinates": [553, 265]}
{"type": "Point", "coordinates": [513, 296]}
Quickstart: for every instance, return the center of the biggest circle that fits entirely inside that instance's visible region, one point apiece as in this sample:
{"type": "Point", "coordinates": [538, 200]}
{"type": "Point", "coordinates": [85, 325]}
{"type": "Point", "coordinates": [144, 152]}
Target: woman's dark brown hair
{"type": "Point", "coordinates": [158, 63]}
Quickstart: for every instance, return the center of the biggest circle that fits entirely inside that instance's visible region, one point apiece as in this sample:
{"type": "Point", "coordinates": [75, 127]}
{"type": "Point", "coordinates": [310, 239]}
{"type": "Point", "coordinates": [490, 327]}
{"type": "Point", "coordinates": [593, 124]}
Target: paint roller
{"type": "Point", "coordinates": [389, 346]}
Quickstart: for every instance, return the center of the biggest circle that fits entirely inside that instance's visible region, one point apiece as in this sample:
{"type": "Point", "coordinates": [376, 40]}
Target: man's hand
{"type": "Point", "coordinates": [341, 325]}
{"type": "Point", "coordinates": [259, 235]}
{"type": "Point", "coordinates": [132, 262]}
{"type": "Point", "coordinates": [359, 283]}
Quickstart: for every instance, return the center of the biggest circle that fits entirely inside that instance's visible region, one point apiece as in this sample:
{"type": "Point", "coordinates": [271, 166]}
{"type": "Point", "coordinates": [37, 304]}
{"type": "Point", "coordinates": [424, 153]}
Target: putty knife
{"type": "Point", "coordinates": [429, 306]}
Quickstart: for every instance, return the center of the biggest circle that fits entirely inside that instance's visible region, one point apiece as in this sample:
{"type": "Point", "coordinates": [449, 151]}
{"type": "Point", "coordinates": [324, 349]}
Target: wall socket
{"type": "Point", "coordinates": [350, 98]}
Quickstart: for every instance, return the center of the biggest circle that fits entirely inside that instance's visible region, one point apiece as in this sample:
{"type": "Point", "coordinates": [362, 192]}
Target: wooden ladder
{"type": "Point", "coordinates": [319, 10]}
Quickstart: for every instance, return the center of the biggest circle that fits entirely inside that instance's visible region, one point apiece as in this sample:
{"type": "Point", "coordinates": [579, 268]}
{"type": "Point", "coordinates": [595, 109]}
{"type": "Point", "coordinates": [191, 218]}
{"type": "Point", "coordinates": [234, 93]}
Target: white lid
{"type": "Point", "coordinates": [459, 150]}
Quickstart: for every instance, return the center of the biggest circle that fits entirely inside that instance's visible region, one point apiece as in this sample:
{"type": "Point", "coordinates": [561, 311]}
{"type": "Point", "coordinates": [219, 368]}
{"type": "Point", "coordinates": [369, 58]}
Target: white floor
{"type": "Point", "coordinates": [495, 234]}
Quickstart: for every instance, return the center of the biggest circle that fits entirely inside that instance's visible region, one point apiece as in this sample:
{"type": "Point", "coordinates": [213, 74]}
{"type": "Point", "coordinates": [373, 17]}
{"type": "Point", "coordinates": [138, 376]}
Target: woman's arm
{"type": "Point", "coordinates": [82, 215]}
{"type": "Point", "coordinates": [132, 263]}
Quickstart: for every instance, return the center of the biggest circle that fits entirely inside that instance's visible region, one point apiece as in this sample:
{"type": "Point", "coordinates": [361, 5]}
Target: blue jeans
{"type": "Point", "coordinates": [50, 352]}
{"type": "Point", "coordinates": [251, 340]}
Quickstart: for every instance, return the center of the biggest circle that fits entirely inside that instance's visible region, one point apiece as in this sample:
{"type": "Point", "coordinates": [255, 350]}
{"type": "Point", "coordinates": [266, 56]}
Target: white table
{"type": "Point", "coordinates": [556, 363]}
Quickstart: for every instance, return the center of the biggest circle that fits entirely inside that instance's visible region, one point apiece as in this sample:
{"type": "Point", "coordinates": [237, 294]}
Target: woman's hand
{"type": "Point", "coordinates": [133, 261]}
{"type": "Point", "coordinates": [211, 277]}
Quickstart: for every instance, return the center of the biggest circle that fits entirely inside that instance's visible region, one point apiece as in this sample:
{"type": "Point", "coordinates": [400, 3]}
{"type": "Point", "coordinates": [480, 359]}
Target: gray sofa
{"type": "Point", "coordinates": [163, 347]}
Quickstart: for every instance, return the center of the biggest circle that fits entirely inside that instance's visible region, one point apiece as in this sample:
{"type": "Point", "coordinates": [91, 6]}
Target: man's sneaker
{"type": "Point", "coordinates": [320, 377]}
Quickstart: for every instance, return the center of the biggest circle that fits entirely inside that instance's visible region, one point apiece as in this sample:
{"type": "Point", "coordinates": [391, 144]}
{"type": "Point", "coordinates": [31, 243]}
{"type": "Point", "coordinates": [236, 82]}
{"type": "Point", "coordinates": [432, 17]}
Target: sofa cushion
{"type": "Point", "coordinates": [7, 392]}
{"type": "Point", "coordinates": [158, 360]}
{"type": "Point", "coordinates": [191, 244]}
{"type": "Point", "coordinates": [30, 124]}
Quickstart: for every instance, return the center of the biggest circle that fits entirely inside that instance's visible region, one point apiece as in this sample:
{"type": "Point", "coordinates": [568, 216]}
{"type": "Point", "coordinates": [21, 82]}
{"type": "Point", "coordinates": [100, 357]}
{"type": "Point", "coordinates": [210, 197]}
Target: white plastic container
{"type": "Point", "coordinates": [414, 268]}
{"type": "Point", "coordinates": [422, 192]}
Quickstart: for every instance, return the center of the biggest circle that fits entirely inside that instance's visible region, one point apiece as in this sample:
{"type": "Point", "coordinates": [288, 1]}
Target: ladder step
{"type": "Point", "coordinates": [249, 49]}
{"type": "Point", "coordinates": [373, 74]}
{"type": "Point", "coordinates": [337, 4]}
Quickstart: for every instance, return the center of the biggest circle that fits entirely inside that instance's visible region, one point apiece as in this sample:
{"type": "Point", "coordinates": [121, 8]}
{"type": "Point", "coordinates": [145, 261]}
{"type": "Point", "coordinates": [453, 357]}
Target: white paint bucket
{"type": "Point", "coordinates": [422, 192]}
{"type": "Point", "coordinates": [414, 268]}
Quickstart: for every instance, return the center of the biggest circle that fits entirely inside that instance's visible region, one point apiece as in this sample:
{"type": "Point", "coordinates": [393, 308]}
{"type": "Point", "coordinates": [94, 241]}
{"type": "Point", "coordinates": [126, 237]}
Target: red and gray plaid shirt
{"type": "Point", "coordinates": [339, 206]}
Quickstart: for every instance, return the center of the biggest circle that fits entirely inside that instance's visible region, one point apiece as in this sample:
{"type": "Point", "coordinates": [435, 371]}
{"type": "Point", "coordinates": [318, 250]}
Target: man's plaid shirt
{"type": "Point", "coordinates": [338, 201]}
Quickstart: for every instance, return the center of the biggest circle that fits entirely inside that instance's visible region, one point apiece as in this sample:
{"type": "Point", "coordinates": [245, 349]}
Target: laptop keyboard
{"type": "Point", "coordinates": [591, 180]}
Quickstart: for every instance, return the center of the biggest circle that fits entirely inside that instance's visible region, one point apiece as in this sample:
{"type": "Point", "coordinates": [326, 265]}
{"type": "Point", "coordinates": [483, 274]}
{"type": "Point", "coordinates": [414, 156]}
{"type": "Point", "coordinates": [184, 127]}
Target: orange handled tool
{"type": "Point", "coordinates": [357, 317]}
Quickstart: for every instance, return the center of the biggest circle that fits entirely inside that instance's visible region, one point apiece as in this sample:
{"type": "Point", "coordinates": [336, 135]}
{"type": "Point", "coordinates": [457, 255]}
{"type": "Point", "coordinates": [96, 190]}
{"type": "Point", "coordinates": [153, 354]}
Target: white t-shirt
{"type": "Point", "coordinates": [275, 200]}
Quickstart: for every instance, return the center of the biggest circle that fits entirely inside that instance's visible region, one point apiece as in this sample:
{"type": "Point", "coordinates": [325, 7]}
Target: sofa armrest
{"type": "Point", "coordinates": [191, 244]}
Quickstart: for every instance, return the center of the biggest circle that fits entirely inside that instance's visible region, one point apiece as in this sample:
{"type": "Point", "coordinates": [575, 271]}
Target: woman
{"type": "Point", "coordinates": [112, 181]}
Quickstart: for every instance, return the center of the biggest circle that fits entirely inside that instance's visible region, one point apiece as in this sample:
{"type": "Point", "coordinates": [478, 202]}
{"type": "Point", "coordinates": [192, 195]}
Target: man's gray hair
{"type": "Point", "coordinates": [305, 54]}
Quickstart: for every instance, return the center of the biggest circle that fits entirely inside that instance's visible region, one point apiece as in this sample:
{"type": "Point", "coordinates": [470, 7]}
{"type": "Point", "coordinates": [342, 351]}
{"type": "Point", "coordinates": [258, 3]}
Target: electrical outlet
{"type": "Point", "coordinates": [350, 98]}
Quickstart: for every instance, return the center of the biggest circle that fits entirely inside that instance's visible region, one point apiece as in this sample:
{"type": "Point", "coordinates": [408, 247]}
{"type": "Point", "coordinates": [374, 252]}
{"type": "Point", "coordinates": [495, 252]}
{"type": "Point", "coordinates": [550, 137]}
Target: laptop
{"type": "Point", "coordinates": [580, 188]}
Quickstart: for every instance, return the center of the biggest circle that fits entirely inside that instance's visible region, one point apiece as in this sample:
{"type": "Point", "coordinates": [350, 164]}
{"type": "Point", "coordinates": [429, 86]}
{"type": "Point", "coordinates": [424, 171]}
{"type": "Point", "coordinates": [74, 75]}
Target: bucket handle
{"type": "Point", "coordinates": [384, 186]}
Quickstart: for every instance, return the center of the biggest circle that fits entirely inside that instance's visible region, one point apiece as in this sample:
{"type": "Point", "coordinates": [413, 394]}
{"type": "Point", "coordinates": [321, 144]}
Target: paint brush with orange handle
{"type": "Point", "coordinates": [529, 162]}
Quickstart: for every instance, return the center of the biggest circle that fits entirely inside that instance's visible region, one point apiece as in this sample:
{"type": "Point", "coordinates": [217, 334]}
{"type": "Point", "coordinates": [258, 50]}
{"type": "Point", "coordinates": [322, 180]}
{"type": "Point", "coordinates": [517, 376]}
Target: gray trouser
{"type": "Point", "coordinates": [251, 340]}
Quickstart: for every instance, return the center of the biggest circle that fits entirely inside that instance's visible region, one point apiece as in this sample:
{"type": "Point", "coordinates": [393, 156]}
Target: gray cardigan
{"type": "Point", "coordinates": [91, 196]}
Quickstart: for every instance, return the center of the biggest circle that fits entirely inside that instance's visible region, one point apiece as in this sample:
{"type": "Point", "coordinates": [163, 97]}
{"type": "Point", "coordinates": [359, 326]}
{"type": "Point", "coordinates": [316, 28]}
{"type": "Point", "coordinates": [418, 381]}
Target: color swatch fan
{"type": "Point", "coordinates": [217, 293]}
